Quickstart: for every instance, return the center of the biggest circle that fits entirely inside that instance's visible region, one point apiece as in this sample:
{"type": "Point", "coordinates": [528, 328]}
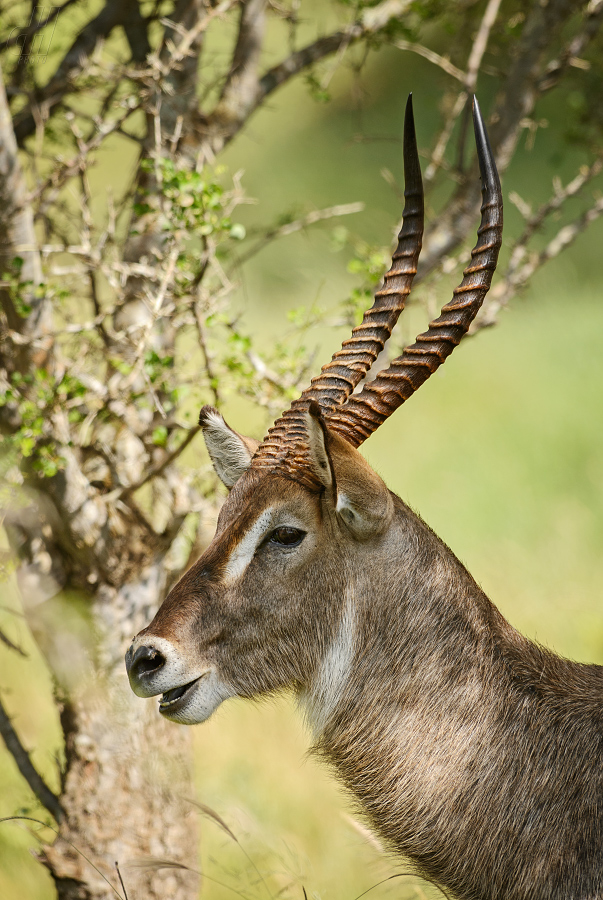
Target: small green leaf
{"type": "Point", "coordinates": [26, 445]}
{"type": "Point", "coordinates": [237, 231]}
{"type": "Point", "coordinates": [160, 436]}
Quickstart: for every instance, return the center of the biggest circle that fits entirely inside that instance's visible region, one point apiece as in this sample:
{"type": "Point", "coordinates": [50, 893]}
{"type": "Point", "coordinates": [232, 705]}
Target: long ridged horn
{"type": "Point", "coordinates": [362, 413]}
{"type": "Point", "coordinates": [347, 368]}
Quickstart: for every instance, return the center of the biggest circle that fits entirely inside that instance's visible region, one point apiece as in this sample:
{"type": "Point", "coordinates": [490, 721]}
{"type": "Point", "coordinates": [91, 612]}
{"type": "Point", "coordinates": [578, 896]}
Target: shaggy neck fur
{"type": "Point", "coordinates": [472, 751]}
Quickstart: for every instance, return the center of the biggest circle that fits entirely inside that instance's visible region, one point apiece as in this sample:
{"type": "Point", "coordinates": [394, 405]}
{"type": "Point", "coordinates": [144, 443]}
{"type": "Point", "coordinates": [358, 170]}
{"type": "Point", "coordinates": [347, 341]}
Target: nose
{"type": "Point", "coordinates": [140, 664]}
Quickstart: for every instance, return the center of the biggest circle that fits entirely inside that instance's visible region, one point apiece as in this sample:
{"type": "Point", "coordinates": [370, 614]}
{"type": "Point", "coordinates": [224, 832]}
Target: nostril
{"type": "Point", "coordinates": [146, 660]}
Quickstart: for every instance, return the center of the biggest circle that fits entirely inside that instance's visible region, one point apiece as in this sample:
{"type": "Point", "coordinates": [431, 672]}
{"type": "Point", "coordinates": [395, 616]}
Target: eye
{"type": "Point", "coordinates": [286, 536]}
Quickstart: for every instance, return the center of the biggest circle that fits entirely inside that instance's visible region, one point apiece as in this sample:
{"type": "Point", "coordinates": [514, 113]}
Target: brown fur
{"type": "Point", "coordinates": [472, 751]}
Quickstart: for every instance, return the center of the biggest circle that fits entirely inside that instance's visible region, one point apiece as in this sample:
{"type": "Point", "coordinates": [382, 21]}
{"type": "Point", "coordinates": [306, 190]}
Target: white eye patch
{"type": "Point", "coordinates": [243, 553]}
{"type": "Point", "coordinates": [245, 550]}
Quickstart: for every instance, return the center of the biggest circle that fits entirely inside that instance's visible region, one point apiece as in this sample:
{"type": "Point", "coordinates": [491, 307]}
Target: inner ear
{"type": "Point", "coordinates": [358, 496]}
{"type": "Point", "coordinates": [318, 445]}
{"type": "Point", "coordinates": [230, 452]}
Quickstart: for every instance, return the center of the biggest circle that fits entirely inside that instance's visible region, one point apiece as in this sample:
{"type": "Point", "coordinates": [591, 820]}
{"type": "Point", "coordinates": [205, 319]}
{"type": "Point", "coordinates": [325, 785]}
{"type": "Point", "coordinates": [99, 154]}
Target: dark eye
{"type": "Point", "coordinates": [286, 536]}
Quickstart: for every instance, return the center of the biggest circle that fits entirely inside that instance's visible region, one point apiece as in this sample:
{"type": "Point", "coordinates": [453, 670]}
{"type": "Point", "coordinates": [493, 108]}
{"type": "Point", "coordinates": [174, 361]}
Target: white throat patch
{"type": "Point", "coordinates": [323, 695]}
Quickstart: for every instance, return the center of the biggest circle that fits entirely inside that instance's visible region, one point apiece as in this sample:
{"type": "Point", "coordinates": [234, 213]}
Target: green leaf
{"type": "Point", "coordinates": [26, 446]}
{"type": "Point", "coordinates": [237, 231]}
{"type": "Point", "coordinates": [160, 436]}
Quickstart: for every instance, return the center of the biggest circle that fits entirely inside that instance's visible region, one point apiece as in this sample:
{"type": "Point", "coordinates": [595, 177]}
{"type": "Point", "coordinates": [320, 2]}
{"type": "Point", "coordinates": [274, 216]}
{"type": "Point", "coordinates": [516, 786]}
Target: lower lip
{"type": "Point", "coordinates": [174, 705]}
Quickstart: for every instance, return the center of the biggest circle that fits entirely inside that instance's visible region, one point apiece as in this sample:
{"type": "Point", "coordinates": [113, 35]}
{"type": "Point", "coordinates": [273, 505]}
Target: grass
{"type": "Point", "coordinates": [502, 455]}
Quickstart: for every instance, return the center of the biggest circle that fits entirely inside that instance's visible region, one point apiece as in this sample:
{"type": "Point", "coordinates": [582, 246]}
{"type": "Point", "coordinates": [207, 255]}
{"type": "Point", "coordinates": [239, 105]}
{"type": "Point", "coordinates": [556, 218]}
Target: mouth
{"type": "Point", "coordinates": [177, 697]}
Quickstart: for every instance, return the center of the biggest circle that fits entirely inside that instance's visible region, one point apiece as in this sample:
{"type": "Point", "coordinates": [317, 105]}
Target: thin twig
{"type": "Point", "coordinates": [184, 47]}
{"type": "Point", "coordinates": [569, 56]}
{"type": "Point", "coordinates": [155, 310]}
{"type": "Point", "coordinates": [32, 30]}
{"type": "Point", "coordinates": [14, 746]}
{"type": "Point", "coordinates": [8, 643]}
{"type": "Point", "coordinates": [442, 61]}
{"type": "Point", "coordinates": [67, 841]}
{"type": "Point", "coordinates": [153, 473]}
{"type": "Point", "coordinates": [535, 222]}
{"type": "Point", "coordinates": [121, 881]}
{"type": "Point", "coordinates": [317, 215]}
{"type": "Point", "coordinates": [469, 80]}
{"type": "Point", "coordinates": [473, 66]}
{"type": "Point", "coordinates": [372, 20]}
{"type": "Point", "coordinates": [207, 361]}
{"type": "Point", "coordinates": [518, 277]}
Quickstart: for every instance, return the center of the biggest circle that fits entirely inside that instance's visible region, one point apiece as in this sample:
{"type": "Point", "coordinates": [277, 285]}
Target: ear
{"type": "Point", "coordinates": [360, 498]}
{"type": "Point", "coordinates": [230, 453]}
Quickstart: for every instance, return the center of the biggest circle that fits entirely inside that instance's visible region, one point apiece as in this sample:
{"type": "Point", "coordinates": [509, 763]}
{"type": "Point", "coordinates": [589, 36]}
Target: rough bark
{"type": "Point", "coordinates": [18, 239]}
{"type": "Point", "coordinates": [131, 767]}
{"type": "Point", "coordinates": [126, 779]}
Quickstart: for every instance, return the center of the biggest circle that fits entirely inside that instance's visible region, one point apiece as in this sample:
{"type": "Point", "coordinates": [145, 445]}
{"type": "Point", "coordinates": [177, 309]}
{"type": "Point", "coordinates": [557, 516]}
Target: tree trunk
{"type": "Point", "coordinates": [131, 767]}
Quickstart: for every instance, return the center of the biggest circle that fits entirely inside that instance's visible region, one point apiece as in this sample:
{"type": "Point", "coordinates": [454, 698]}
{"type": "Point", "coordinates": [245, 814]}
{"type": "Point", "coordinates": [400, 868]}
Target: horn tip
{"type": "Point", "coordinates": [412, 166]}
{"type": "Point", "coordinates": [487, 166]}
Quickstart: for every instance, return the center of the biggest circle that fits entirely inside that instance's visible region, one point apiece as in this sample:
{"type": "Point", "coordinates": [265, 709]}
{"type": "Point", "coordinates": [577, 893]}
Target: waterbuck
{"type": "Point", "coordinates": [472, 751]}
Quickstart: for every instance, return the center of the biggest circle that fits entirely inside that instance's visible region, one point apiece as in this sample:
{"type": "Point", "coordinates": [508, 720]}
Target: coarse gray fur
{"type": "Point", "coordinates": [471, 751]}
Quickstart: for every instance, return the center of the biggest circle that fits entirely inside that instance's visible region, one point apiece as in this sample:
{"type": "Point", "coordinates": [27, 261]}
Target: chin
{"type": "Point", "coordinates": [195, 702]}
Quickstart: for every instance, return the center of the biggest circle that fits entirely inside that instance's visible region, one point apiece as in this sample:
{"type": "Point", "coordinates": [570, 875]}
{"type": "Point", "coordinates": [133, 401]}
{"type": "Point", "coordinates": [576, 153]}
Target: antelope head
{"type": "Point", "coordinates": [307, 521]}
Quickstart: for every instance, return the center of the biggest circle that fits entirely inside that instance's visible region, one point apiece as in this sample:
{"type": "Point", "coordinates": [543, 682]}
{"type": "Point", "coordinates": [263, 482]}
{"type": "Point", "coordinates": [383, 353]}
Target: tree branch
{"type": "Point", "coordinates": [21, 65]}
{"type": "Point", "coordinates": [535, 222]}
{"type": "Point", "coordinates": [317, 215]}
{"type": "Point", "coordinates": [47, 98]}
{"type": "Point", "coordinates": [33, 29]}
{"type": "Point", "coordinates": [473, 66]}
{"type": "Point", "coordinates": [443, 62]}
{"type": "Point", "coordinates": [14, 746]}
{"type": "Point", "coordinates": [17, 234]}
{"type": "Point", "coordinates": [468, 80]}
{"type": "Point", "coordinates": [157, 470]}
{"type": "Point", "coordinates": [241, 85]}
{"type": "Point", "coordinates": [593, 16]}
{"type": "Point", "coordinates": [516, 101]}
{"type": "Point", "coordinates": [135, 27]}
{"type": "Point", "coordinates": [10, 644]}
{"type": "Point", "coordinates": [523, 265]}
{"type": "Point", "coordinates": [373, 20]}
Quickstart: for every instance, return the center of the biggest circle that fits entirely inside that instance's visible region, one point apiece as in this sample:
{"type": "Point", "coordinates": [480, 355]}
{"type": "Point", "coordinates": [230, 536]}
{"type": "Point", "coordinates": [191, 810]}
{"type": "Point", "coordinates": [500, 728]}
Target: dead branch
{"type": "Point", "coordinates": [516, 102]}
{"type": "Point", "coordinates": [469, 81]}
{"type": "Point", "coordinates": [570, 55]}
{"type": "Point", "coordinates": [11, 645]}
{"type": "Point", "coordinates": [50, 97]}
{"type": "Point", "coordinates": [317, 215]}
{"type": "Point", "coordinates": [17, 230]}
{"type": "Point", "coordinates": [35, 27]}
{"type": "Point", "coordinates": [14, 746]}
{"type": "Point", "coordinates": [240, 87]}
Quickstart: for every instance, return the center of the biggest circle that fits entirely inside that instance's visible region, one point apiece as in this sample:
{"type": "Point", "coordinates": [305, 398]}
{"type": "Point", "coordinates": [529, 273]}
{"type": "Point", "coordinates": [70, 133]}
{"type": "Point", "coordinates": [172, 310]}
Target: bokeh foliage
{"type": "Point", "coordinates": [501, 454]}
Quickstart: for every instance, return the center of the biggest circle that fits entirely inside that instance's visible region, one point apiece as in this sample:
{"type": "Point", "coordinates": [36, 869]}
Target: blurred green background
{"type": "Point", "coordinates": [501, 453]}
